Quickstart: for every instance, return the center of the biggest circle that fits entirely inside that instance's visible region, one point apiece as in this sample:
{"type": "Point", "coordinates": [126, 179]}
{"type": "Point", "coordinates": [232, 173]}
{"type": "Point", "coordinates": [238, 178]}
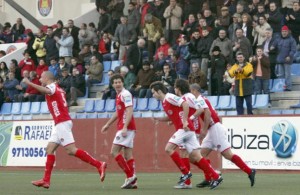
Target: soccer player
{"type": "Point", "coordinates": [177, 110]}
{"type": "Point", "coordinates": [182, 89]}
{"type": "Point", "coordinates": [214, 135]}
{"type": "Point", "coordinates": [62, 134]}
{"type": "Point", "coordinates": [126, 131]}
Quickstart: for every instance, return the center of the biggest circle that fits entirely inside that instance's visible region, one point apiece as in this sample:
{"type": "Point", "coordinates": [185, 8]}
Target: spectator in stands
{"type": "Point", "coordinates": [189, 26]}
{"type": "Point", "coordinates": [247, 26]}
{"type": "Point", "coordinates": [62, 65]}
{"type": "Point", "coordinates": [286, 48]}
{"type": "Point", "coordinates": [225, 17]}
{"type": "Point", "coordinates": [181, 66]}
{"type": "Point", "coordinates": [29, 49]}
{"type": "Point", "coordinates": [14, 67]}
{"type": "Point", "coordinates": [182, 49]}
{"type": "Point", "coordinates": [134, 17]}
{"type": "Point", "coordinates": [193, 45]}
{"type": "Point", "coordinates": [259, 31]}
{"type": "Point", "coordinates": [59, 28]}
{"type": "Point", "coordinates": [94, 51]}
{"type": "Point", "coordinates": [233, 26]}
{"type": "Point", "coordinates": [202, 25]}
{"type": "Point", "coordinates": [75, 64]}
{"type": "Point", "coordinates": [260, 12]}
{"type": "Point", "coordinates": [253, 7]}
{"type": "Point", "coordinates": [9, 87]}
{"type": "Point", "coordinates": [22, 86]}
{"type": "Point", "coordinates": [78, 88]}
{"type": "Point", "coordinates": [203, 49]}
{"type": "Point", "coordinates": [2, 53]}
{"type": "Point", "coordinates": [50, 46]}
{"type": "Point", "coordinates": [2, 96]}
{"type": "Point", "coordinates": [292, 20]}
{"type": "Point", "coordinates": [53, 67]}
{"type": "Point", "coordinates": [85, 55]}
{"type": "Point", "coordinates": [152, 32]}
{"type": "Point", "coordinates": [297, 54]}
{"type": "Point", "coordinates": [6, 36]}
{"type": "Point", "coordinates": [101, 3]}
{"type": "Point", "coordinates": [164, 46]}
{"type": "Point", "coordinates": [242, 44]}
{"type": "Point", "coordinates": [104, 46]}
{"type": "Point", "coordinates": [116, 7]}
{"type": "Point", "coordinates": [65, 45]}
{"type": "Point", "coordinates": [228, 82]}
{"type": "Point", "coordinates": [38, 44]}
{"type": "Point", "coordinates": [86, 36]}
{"type": "Point", "coordinates": [129, 77]}
{"type": "Point", "coordinates": [105, 21]}
{"type": "Point", "coordinates": [197, 76]}
{"type": "Point", "coordinates": [243, 90]}
{"type": "Point", "coordinates": [270, 51]}
{"type": "Point", "coordinates": [18, 29]}
{"type": "Point", "coordinates": [125, 36]}
{"type": "Point", "coordinates": [109, 92]}
{"type": "Point", "coordinates": [65, 80]}
{"type": "Point", "coordinates": [26, 63]}
{"type": "Point", "coordinates": [143, 80]}
{"type": "Point", "coordinates": [261, 71]}
{"type": "Point", "coordinates": [31, 94]}
{"type": "Point", "coordinates": [74, 31]}
{"type": "Point", "coordinates": [145, 7]}
{"type": "Point", "coordinates": [94, 71]}
{"type": "Point", "coordinates": [3, 70]}
{"type": "Point", "coordinates": [92, 27]}
{"type": "Point", "coordinates": [274, 18]}
{"type": "Point", "coordinates": [158, 11]}
{"type": "Point", "coordinates": [134, 56]}
{"type": "Point", "coordinates": [41, 67]}
{"type": "Point", "coordinates": [210, 19]}
{"type": "Point", "coordinates": [173, 14]}
{"type": "Point", "coordinates": [168, 77]}
{"type": "Point", "coordinates": [113, 50]}
{"type": "Point", "coordinates": [224, 44]}
{"type": "Point", "coordinates": [158, 63]}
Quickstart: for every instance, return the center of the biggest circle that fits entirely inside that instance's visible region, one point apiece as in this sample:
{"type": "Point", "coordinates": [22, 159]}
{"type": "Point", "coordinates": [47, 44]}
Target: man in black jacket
{"type": "Point", "coordinates": [134, 56]}
{"type": "Point", "coordinates": [78, 88]}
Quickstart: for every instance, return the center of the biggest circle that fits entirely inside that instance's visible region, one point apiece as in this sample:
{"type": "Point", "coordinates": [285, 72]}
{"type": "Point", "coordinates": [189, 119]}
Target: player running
{"type": "Point", "coordinates": [62, 133]}
{"type": "Point", "coordinates": [126, 131]}
{"type": "Point", "coordinates": [177, 110]}
{"type": "Point", "coordinates": [214, 136]}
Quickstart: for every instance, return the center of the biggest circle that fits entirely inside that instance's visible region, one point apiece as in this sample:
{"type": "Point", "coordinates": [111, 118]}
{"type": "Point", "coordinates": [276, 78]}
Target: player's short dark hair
{"type": "Point", "coordinates": [116, 77]}
{"type": "Point", "coordinates": [157, 85]}
{"type": "Point", "coordinates": [182, 85]}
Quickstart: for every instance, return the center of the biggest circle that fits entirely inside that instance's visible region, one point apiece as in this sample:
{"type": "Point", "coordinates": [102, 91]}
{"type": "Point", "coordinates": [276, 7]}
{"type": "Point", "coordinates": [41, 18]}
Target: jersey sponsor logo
{"type": "Point", "coordinates": [127, 99]}
{"type": "Point", "coordinates": [284, 139]}
{"type": "Point", "coordinates": [55, 108]}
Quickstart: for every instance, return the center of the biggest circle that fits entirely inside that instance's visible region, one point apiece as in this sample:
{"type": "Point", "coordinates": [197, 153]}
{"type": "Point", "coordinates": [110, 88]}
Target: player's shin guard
{"type": "Point", "coordinates": [177, 160]}
{"type": "Point", "coordinates": [207, 169]}
{"type": "Point", "coordinates": [84, 156]}
{"type": "Point", "coordinates": [124, 166]}
{"type": "Point", "coordinates": [240, 163]}
{"type": "Point", "coordinates": [186, 162]}
{"type": "Point", "coordinates": [49, 166]}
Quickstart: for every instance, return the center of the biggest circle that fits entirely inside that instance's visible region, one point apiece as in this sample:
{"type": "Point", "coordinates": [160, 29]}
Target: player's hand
{"type": "Point", "coordinates": [104, 128]}
{"type": "Point", "coordinates": [124, 132]}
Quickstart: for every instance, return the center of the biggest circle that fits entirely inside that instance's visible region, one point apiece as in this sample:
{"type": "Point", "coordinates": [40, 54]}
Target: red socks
{"type": "Point", "coordinates": [124, 166]}
{"type": "Point", "coordinates": [207, 169]}
{"type": "Point", "coordinates": [131, 165]}
{"type": "Point", "coordinates": [176, 158]}
{"type": "Point", "coordinates": [49, 166]}
{"type": "Point", "coordinates": [84, 156]}
{"type": "Point", "coordinates": [186, 162]}
{"type": "Point", "coordinates": [240, 163]}
{"type": "Point", "coordinates": [207, 177]}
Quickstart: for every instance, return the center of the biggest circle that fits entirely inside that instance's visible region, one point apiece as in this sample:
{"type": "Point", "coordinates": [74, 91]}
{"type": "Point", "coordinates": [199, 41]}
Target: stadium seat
{"type": "Point", "coordinates": [231, 113]}
{"type": "Point", "coordinates": [80, 115]}
{"type": "Point", "coordinates": [17, 117]}
{"type": "Point", "coordinates": [223, 102]}
{"type": "Point", "coordinates": [137, 115]}
{"type": "Point", "coordinates": [135, 104]}
{"type": "Point", "coordinates": [275, 112]}
{"type": "Point", "coordinates": [295, 69]}
{"type": "Point", "coordinates": [278, 85]}
{"type": "Point", "coordinates": [86, 95]}
{"type": "Point", "coordinates": [99, 106]}
{"type": "Point", "coordinates": [295, 106]}
{"type": "Point", "coordinates": [115, 64]}
{"type": "Point", "coordinates": [289, 111]}
{"type": "Point", "coordinates": [297, 111]}
{"type": "Point", "coordinates": [142, 104]}
{"type": "Point", "coordinates": [89, 106]}
{"type": "Point", "coordinates": [102, 115]}
{"type": "Point", "coordinates": [16, 108]}
{"type": "Point", "coordinates": [148, 114]}
{"type": "Point", "coordinates": [110, 105]}
{"type": "Point", "coordinates": [213, 100]}
{"type": "Point", "coordinates": [7, 117]}
{"type": "Point", "coordinates": [72, 115]}
{"type": "Point", "coordinates": [221, 113]}
{"type": "Point", "coordinates": [44, 108]}
{"type": "Point", "coordinates": [91, 115]}
{"type": "Point", "coordinates": [253, 101]}
{"type": "Point", "coordinates": [27, 117]}
{"type": "Point", "coordinates": [154, 104]}
{"type": "Point", "coordinates": [25, 108]}
{"type": "Point", "coordinates": [6, 108]}
{"type": "Point", "coordinates": [262, 101]}
{"type": "Point", "coordinates": [35, 108]}
{"type": "Point", "coordinates": [106, 66]}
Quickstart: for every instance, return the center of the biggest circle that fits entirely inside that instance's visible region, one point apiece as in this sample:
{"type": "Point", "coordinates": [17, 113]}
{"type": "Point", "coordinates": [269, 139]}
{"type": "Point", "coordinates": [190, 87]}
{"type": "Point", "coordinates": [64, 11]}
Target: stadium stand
{"type": "Point", "coordinates": [35, 108]}
{"type": "Point", "coordinates": [25, 109]}
{"type": "Point", "coordinates": [44, 108]}
{"type": "Point", "coordinates": [16, 108]}
{"type": "Point", "coordinates": [107, 65]}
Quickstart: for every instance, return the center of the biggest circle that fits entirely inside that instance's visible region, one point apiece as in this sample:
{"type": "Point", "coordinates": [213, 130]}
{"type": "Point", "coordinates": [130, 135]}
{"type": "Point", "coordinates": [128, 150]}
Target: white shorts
{"type": "Point", "coordinates": [185, 139]}
{"type": "Point", "coordinates": [216, 138]}
{"type": "Point", "coordinates": [62, 133]}
{"type": "Point", "coordinates": [124, 141]}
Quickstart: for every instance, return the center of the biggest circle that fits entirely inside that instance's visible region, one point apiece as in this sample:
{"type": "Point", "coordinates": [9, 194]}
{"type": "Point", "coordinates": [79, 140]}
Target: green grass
{"type": "Point", "coordinates": [86, 183]}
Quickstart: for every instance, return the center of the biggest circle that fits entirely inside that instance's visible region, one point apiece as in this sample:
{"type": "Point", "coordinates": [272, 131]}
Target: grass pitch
{"type": "Point", "coordinates": [86, 183]}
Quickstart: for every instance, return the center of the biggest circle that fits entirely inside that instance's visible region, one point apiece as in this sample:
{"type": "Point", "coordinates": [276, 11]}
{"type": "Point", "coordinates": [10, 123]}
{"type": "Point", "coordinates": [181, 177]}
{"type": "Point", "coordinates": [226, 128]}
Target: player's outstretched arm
{"type": "Point", "coordinates": [109, 122]}
{"type": "Point", "coordinates": [40, 88]}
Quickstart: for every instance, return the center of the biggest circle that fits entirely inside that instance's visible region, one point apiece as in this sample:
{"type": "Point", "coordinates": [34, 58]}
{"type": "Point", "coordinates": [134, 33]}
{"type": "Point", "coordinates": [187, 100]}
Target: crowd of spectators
{"type": "Point", "coordinates": [198, 40]}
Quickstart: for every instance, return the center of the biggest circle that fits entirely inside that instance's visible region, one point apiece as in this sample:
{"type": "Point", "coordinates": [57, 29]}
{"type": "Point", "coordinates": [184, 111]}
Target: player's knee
{"type": "Point", "coordinates": [169, 150]}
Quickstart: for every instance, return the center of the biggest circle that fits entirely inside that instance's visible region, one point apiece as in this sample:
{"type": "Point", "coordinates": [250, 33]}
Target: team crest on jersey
{"type": "Point", "coordinates": [119, 107]}
{"type": "Point", "coordinates": [202, 102]}
{"type": "Point", "coordinates": [170, 112]}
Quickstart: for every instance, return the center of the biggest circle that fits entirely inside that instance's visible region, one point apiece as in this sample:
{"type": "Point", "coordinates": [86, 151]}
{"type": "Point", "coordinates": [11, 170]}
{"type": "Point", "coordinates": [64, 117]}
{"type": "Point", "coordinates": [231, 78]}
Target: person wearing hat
{"type": "Point", "coordinates": [225, 17]}
{"type": "Point", "coordinates": [236, 19]}
{"type": "Point", "coordinates": [286, 48]}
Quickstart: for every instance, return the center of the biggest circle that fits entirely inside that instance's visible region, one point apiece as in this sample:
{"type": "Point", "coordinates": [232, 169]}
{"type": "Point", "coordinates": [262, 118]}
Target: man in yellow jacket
{"type": "Point", "coordinates": [242, 72]}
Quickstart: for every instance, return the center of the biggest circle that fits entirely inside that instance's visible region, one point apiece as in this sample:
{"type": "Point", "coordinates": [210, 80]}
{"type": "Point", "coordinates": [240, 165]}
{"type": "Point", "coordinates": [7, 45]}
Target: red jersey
{"type": "Point", "coordinates": [57, 104]}
{"type": "Point", "coordinates": [172, 107]}
{"type": "Point", "coordinates": [204, 103]}
{"type": "Point", "coordinates": [124, 100]}
{"type": "Point", "coordinates": [193, 105]}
